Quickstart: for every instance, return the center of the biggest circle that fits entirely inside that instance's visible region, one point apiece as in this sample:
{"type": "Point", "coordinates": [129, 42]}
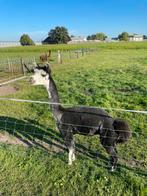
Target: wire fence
{"type": "Point", "coordinates": [11, 68]}
{"type": "Point", "coordinates": [27, 121]}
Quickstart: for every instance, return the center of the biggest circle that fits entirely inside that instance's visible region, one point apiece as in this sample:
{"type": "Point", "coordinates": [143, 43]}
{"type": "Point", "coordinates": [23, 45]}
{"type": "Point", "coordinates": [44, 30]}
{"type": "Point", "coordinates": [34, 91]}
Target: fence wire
{"type": "Point", "coordinates": [27, 121]}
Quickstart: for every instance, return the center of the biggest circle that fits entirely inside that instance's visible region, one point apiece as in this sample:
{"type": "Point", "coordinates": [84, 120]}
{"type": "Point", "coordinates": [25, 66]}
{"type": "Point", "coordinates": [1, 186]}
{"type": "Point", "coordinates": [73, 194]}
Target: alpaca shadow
{"type": "Point", "coordinates": [31, 133]}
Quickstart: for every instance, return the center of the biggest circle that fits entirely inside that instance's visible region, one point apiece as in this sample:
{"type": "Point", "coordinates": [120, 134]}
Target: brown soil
{"type": "Point", "coordinates": [7, 139]}
{"type": "Point", "coordinates": [7, 90]}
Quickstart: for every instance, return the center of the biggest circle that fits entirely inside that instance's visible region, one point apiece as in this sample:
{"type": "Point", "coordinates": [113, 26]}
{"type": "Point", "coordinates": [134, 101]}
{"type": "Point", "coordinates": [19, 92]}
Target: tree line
{"type": "Point", "coordinates": [60, 35]}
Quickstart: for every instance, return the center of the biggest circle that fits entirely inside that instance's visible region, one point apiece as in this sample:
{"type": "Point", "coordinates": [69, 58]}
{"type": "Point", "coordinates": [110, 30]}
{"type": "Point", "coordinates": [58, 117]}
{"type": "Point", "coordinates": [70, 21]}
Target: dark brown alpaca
{"type": "Point", "coordinates": [45, 57]}
{"type": "Point", "coordinates": [83, 120]}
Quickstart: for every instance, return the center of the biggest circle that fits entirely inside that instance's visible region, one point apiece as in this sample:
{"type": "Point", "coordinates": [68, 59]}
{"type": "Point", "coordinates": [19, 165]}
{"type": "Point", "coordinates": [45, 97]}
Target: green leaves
{"type": "Point", "coordinates": [25, 40]}
{"type": "Point", "coordinates": [59, 35]}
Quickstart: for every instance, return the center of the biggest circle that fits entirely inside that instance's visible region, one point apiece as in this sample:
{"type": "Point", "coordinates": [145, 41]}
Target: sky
{"type": "Point", "coordinates": [80, 17]}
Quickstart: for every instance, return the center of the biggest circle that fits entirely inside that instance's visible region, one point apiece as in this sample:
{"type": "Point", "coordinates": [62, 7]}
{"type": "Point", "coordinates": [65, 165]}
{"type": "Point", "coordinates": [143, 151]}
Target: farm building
{"type": "Point", "coordinates": [9, 44]}
{"type": "Point", "coordinates": [136, 37]}
{"type": "Point", "coordinates": [4, 44]}
{"type": "Point", "coordinates": [77, 39]}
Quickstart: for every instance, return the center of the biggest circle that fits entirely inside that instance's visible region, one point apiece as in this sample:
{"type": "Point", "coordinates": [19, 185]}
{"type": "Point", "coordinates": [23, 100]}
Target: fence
{"type": "Point", "coordinates": [11, 68]}
{"type": "Point", "coordinates": [26, 120]}
{"type": "Point", "coordinates": [20, 119]}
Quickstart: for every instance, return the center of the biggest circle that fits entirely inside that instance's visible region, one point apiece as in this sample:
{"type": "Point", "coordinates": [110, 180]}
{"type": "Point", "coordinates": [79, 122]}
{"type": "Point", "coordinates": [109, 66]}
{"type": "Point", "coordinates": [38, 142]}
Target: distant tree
{"type": "Point", "coordinates": [101, 36]}
{"type": "Point", "coordinates": [91, 37]}
{"type": "Point", "coordinates": [124, 36]}
{"type": "Point", "coordinates": [144, 36]}
{"type": "Point", "coordinates": [97, 36]}
{"type": "Point", "coordinates": [25, 40]}
{"type": "Point", "coordinates": [59, 35]}
{"type": "Point", "coordinates": [88, 37]}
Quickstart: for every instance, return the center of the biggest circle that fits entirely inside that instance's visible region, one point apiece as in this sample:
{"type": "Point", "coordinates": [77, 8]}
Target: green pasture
{"type": "Point", "coordinates": [37, 50]}
{"type": "Point", "coordinates": [114, 76]}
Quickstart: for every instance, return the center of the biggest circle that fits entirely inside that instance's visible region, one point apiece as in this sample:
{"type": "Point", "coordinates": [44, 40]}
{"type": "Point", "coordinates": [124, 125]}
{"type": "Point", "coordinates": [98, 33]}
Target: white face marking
{"type": "Point", "coordinates": [40, 77]}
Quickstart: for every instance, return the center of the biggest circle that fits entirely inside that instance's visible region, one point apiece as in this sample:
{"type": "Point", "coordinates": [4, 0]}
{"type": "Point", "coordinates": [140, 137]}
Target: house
{"type": "Point", "coordinates": [77, 39]}
{"type": "Point", "coordinates": [135, 37]}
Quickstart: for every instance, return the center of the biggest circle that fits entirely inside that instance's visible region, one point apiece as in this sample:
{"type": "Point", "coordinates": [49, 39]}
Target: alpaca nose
{"type": "Point", "coordinates": [32, 81]}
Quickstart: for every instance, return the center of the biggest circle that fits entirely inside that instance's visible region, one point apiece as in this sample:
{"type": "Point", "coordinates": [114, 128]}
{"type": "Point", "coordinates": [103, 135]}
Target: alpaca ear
{"type": "Point", "coordinates": [37, 65]}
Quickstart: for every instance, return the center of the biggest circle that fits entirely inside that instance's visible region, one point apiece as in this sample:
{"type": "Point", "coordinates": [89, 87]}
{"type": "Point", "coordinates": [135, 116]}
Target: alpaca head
{"type": "Point", "coordinates": [41, 75]}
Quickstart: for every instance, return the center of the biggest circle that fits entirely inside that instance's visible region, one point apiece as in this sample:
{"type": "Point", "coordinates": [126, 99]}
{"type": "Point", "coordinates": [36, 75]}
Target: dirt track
{"type": "Point", "coordinates": [7, 90]}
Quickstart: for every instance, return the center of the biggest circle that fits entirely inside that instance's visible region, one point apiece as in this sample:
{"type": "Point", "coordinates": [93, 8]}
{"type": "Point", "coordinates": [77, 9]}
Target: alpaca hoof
{"type": "Point", "coordinates": [73, 158]}
{"type": "Point", "coordinates": [70, 163]}
{"type": "Point", "coordinates": [112, 169]}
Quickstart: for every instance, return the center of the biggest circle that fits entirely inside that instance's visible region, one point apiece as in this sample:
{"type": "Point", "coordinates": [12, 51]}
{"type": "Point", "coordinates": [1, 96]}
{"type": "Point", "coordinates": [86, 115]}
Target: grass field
{"type": "Point", "coordinates": [112, 77]}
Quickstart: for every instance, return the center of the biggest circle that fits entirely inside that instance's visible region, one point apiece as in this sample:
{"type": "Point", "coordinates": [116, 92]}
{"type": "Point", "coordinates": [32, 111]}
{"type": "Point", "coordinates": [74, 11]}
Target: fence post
{"type": "Point", "coordinates": [69, 54]}
{"type": "Point", "coordinates": [9, 65]}
{"type": "Point", "coordinates": [82, 51]}
{"type": "Point", "coordinates": [22, 66]}
{"type": "Point", "coordinates": [34, 60]}
{"type": "Point", "coordinates": [77, 54]}
{"type": "Point", "coordinates": [59, 57]}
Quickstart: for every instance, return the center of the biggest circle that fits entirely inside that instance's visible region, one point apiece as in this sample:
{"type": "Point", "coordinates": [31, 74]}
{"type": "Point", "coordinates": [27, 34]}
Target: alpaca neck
{"type": "Point", "coordinates": [53, 97]}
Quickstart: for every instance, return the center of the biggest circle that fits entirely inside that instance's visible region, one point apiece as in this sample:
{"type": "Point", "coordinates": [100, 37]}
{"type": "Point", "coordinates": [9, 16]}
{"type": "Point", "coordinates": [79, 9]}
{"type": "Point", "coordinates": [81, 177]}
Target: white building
{"type": "Point", "coordinates": [4, 44]}
{"type": "Point", "coordinates": [135, 37]}
{"type": "Point", "coordinates": [78, 39]}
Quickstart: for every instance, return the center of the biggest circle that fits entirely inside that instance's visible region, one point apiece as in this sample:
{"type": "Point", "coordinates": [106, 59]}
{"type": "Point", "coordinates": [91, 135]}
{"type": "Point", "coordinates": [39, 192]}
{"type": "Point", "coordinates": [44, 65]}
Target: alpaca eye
{"type": "Point", "coordinates": [43, 74]}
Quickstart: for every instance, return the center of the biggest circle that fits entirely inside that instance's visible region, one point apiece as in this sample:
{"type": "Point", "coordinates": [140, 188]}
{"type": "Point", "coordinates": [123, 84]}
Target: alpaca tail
{"type": "Point", "coordinates": [122, 129]}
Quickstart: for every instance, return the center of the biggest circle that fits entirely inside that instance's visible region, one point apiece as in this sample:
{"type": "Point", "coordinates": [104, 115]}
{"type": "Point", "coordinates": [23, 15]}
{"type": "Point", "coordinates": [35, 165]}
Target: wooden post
{"type": "Point", "coordinates": [22, 66]}
{"type": "Point", "coordinates": [34, 60]}
{"type": "Point", "coordinates": [69, 54]}
{"type": "Point", "coordinates": [77, 54]}
{"type": "Point", "coordinates": [82, 51]}
{"type": "Point", "coordinates": [59, 57]}
{"type": "Point", "coordinates": [12, 70]}
{"type": "Point", "coordinates": [9, 65]}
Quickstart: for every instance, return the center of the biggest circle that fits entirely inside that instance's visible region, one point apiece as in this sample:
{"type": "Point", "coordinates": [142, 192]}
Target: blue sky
{"type": "Point", "coordinates": [81, 17]}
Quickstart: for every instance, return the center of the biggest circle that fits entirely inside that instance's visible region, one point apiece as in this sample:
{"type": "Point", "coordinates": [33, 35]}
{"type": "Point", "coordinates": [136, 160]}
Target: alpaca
{"type": "Point", "coordinates": [82, 120]}
{"type": "Point", "coordinates": [45, 57]}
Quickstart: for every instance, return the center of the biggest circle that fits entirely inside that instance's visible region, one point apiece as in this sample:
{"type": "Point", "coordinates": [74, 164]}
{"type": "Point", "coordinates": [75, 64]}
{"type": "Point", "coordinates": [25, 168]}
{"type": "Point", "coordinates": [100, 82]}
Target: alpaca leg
{"type": "Point", "coordinates": [113, 157]}
{"type": "Point", "coordinates": [71, 155]}
{"type": "Point", "coordinates": [69, 142]}
{"type": "Point", "coordinates": [71, 147]}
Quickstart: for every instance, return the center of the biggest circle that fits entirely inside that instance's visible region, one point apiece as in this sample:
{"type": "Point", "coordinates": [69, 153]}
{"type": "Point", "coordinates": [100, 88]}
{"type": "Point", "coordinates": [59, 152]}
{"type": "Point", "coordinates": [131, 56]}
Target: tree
{"type": "Point", "coordinates": [59, 35]}
{"type": "Point", "coordinates": [93, 36]}
{"type": "Point", "coordinates": [101, 36]}
{"type": "Point", "coordinates": [25, 40]}
{"type": "Point", "coordinates": [88, 37]}
{"type": "Point", "coordinates": [97, 36]}
{"type": "Point", "coordinates": [124, 36]}
{"type": "Point", "coordinates": [144, 36]}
